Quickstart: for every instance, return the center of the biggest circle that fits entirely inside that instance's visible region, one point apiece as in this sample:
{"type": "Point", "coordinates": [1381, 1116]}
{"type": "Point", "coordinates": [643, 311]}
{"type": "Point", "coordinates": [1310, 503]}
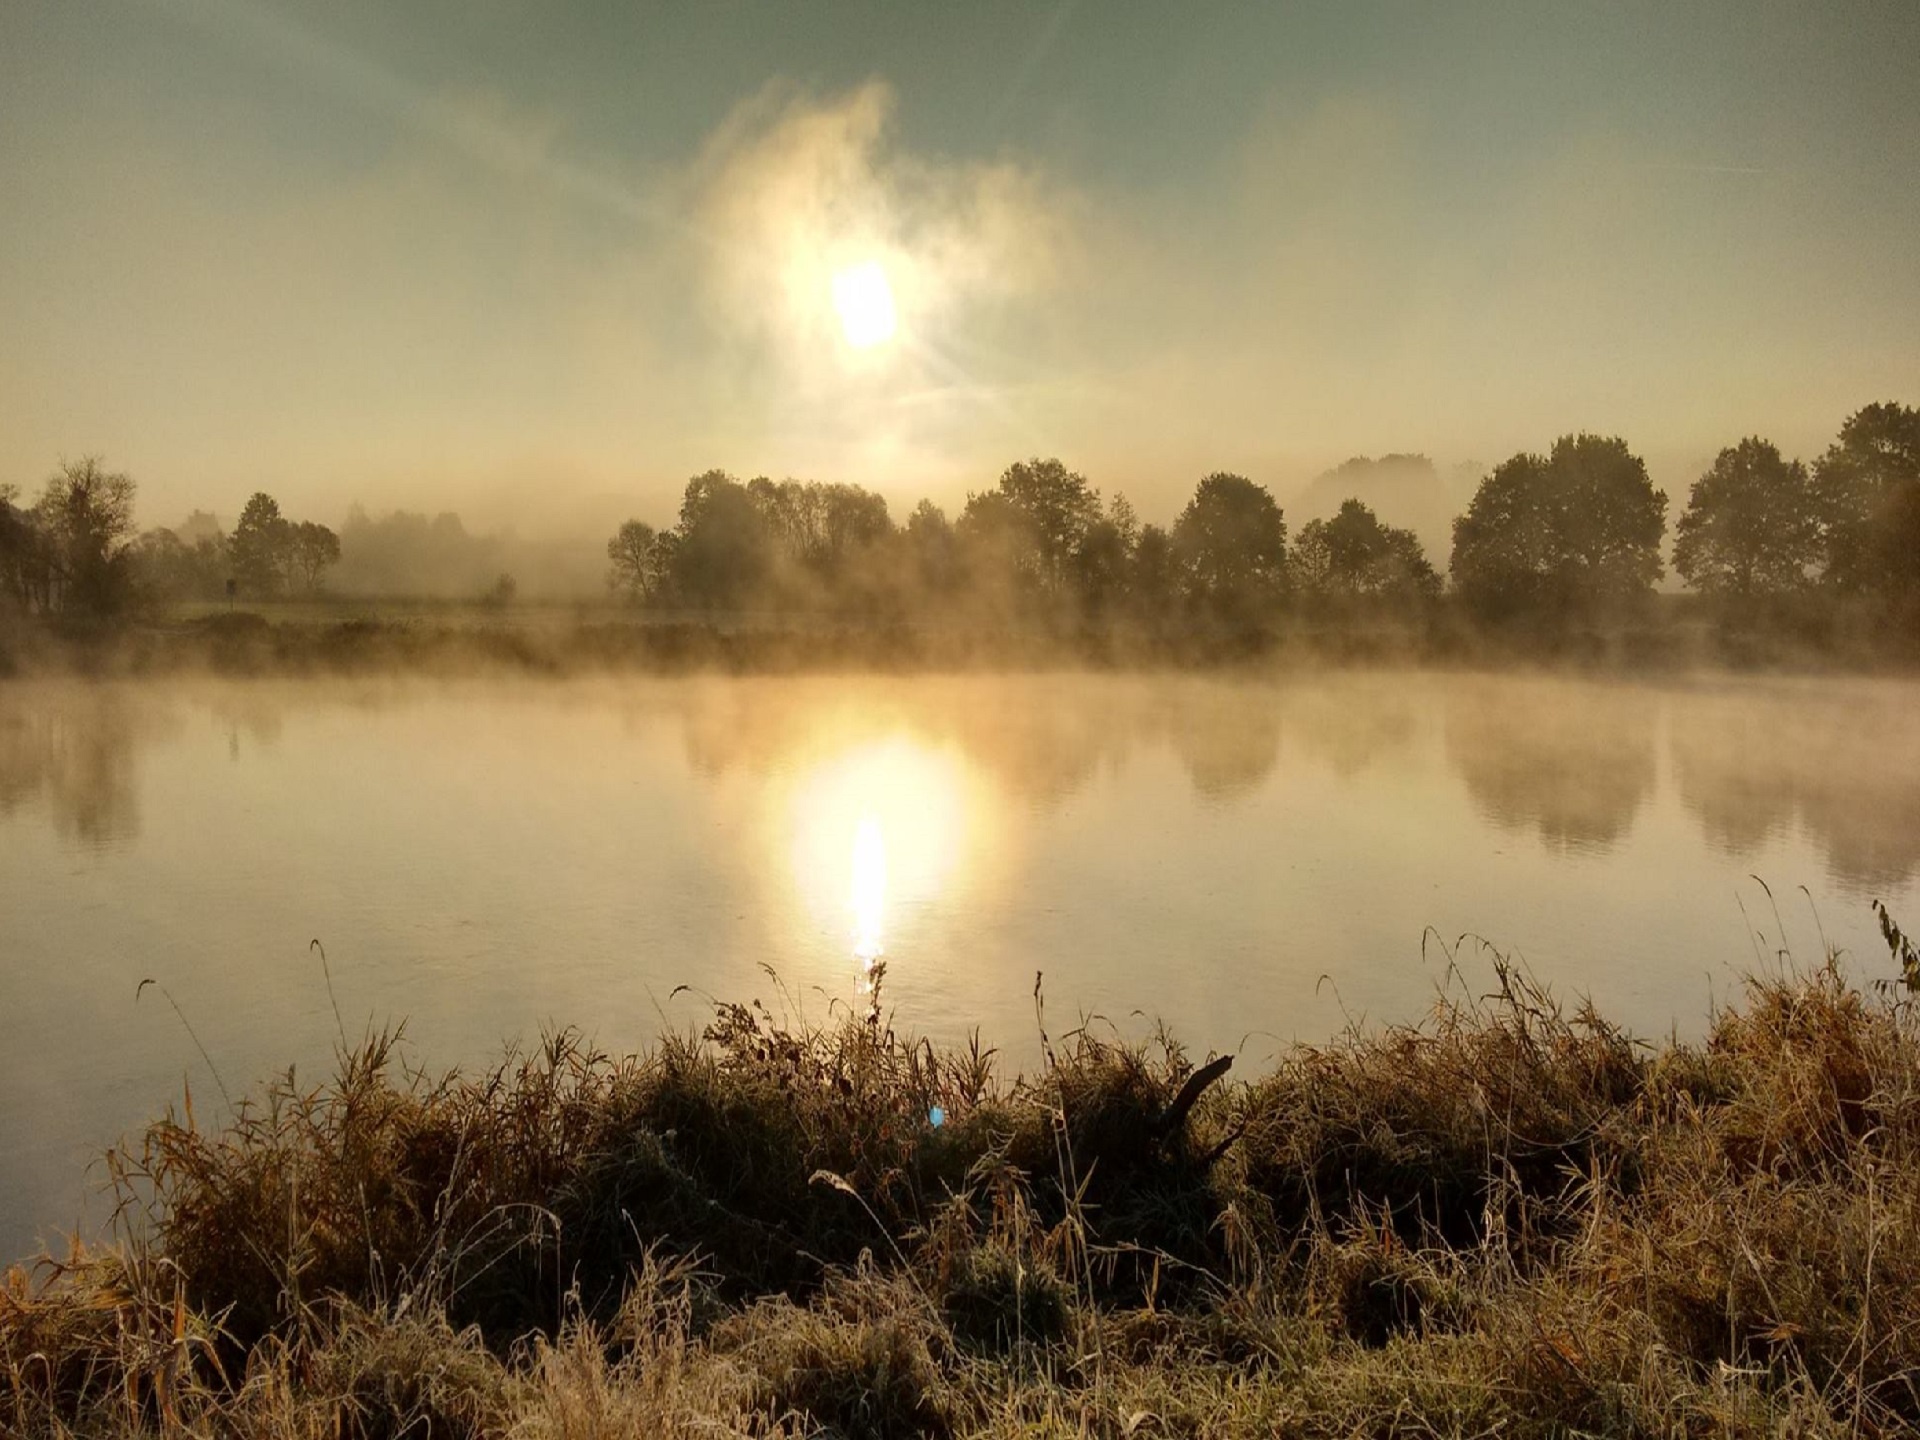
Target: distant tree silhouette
{"type": "Point", "coordinates": [933, 552]}
{"type": "Point", "coordinates": [410, 553]}
{"type": "Point", "coordinates": [271, 554]}
{"type": "Point", "coordinates": [72, 551]}
{"type": "Point", "coordinates": [1155, 591]}
{"type": "Point", "coordinates": [1056, 507]}
{"type": "Point", "coordinates": [167, 568]}
{"type": "Point", "coordinates": [724, 542]}
{"type": "Point", "coordinates": [1867, 487]}
{"type": "Point", "coordinates": [832, 546]}
{"type": "Point", "coordinates": [784, 544]}
{"type": "Point", "coordinates": [640, 562]}
{"type": "Point", "coordinates": [821, 526]}
{"type": "Point", "coordinates": [791, 518]}
{"type": "Point", "coordinates": [259, 546]}
{"type": "Point", "coordinates": [184, 562]}
{"type": "Point", "coordinates": [1574, 531]}
{"type": "Point", "coordinates": [85, 523]}
{"type": "Point", "coordinates": [26, 561]}
{"type": "Point", "coordinates": [852, 519]}
{"type": "Point", "coordinates": [198, 526]}
{"type": "Point", "coordinates": [1403, 490]}
{"type": "Point", "coordinates": [1354, 557]}
{"type": "Point", "coordinates": [1898, 552]}
{"type": "Point", "coordinates": [1000, 553]}
{"type": "Point", "coordinates": [1750, 527]}
{"type": "Point", "coordinates": [311, 548]}
{"type": "Point", "coordinates": [1104, 562]}
{"type": "Point", "coordinates": [1232, 542]}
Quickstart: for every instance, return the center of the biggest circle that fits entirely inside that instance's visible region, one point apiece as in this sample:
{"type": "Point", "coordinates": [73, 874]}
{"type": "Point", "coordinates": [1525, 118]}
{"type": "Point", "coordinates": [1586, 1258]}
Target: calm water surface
{"type": "Point", "coordinates": [1251, 862]}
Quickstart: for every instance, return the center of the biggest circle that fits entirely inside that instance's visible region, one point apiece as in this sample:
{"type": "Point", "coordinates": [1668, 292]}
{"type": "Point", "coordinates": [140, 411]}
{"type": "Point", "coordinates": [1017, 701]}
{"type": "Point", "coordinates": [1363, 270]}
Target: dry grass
{"type": "Point", "coordinates": [1506, 1220]}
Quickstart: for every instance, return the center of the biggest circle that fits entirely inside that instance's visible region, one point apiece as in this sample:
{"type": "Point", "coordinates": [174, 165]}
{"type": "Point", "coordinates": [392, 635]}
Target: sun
{"type": "Point", "coordinates": [864, 302]}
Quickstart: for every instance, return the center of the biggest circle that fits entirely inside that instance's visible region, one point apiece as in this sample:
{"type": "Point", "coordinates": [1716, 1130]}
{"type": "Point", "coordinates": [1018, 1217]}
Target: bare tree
{"type": "Point", "coordinates": [85, 518]}
{"type": "Point", "coordinates": [640, 561]}
{"type": "Point", "coordinates": [311, 548]}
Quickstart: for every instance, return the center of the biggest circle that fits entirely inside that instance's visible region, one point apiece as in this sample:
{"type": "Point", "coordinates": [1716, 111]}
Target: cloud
{"type": "Point", "coordinates": [793, 187]}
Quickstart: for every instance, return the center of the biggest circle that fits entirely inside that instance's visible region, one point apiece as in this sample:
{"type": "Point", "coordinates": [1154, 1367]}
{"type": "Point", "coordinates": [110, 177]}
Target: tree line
{"type": "Point", "coordinates": [76, 551]}
{"type": "Point", "coordinates": [1042, 543]}
{"type": "Point", "coordinates": [1572, 535]}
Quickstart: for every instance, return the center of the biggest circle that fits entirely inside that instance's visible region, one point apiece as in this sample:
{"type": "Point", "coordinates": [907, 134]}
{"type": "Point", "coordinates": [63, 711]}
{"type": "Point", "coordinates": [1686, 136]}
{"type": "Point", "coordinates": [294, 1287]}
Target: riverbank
{"type": "Point", "coordinates": [336, 637]}
{"type": "Point", "coordinates": [1510, 1218]}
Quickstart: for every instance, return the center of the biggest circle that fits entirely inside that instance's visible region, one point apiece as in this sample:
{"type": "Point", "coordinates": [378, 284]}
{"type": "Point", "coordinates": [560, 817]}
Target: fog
{"type": "Point", "coordinates": [410, 554]}
{"type": "Point", "coordinates": [1570, 764]}
{"type": "Point", "coordinates": [822, 717]}
{"type": "Point", "coordinates": [402, 553]}
{"type": "Point", "coordinates": [1250, 860]}
{"type": "Point", "coordinates": [328, 256]}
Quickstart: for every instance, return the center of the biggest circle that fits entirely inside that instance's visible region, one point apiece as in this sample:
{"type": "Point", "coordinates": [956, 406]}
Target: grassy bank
{"type": "Point", "coordinates": [1510, 1219]}
{"type": "Point", "coordinates": [447, 641]}
{"type": "Point", "coordinates": [331, 637]}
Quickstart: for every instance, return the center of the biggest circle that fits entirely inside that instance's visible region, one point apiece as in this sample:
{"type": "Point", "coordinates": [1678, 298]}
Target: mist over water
{"type": "Point", "coordinates": [1252, 862]}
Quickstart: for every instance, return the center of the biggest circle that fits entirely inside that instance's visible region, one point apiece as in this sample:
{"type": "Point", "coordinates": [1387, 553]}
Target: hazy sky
{"type": "Point", "coordinates": [545, 260]}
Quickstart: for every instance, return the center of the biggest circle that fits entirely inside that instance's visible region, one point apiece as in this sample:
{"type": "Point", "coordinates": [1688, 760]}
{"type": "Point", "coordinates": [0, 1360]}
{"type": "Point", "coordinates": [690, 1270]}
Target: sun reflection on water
{"type": "Point", "coordinates": [879, 831]}
{"type": "Point", "coordinates": [869, 891]}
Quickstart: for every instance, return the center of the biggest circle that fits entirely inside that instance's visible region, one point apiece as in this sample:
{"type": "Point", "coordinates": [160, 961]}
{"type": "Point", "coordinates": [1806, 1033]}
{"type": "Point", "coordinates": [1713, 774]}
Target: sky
{"type": "Point", "coordinates": [539, 261]}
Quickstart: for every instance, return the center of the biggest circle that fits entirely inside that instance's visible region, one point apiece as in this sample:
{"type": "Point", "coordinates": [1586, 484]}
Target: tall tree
{"type": "Point", "coordinates": [1232, 539]}
{"type": "Point", "coordinates": [408, 553]}
{"type": "Point", "coordinates": [999, 552]}
{"type": "Point", "coordinates": [1058, 507]}
{"type": "Point", "coordinates": [1866, 485]}
{"type": "Point", "coordinates": [310, 548]}
{"type": "Point", "coordinates": [1404, 490]}
{"type": "Point", "coordinates": [1154, 589]}
{"type": "Point", "coordinates": [1576, 530]}
{"type": "Point", "coordinates": [259, 546]}
{"type": "Point", "coordinates": [639, 562]}
{"type": "Point", "coordinates": [1352, 556]}
{"type": "Point", "coordinates": [1750, 527]}
{"type": "Point", "coordinates": [852, 520]}
{"type": "Point", "coordinates": [933, 552]}
{"type": "Point", "coordinates": [26, 565]}
{"type": "Point", "coordinates": [166, 568]}
{"type": "Point", "coordinates": [723, 542]}
{"type": "Point", "coordinates": [1898, 547]}
{"type": "Point", "coordinates": [85, 517]}
{"type": "Point", "coordinates": [186, 561]}
{"type": "Point", "coordinates": [1103, 564]}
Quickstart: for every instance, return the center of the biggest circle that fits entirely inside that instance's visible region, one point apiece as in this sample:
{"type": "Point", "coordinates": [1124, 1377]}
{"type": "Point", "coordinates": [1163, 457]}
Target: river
{"type": "Point", "coordinates": [1251, 862]}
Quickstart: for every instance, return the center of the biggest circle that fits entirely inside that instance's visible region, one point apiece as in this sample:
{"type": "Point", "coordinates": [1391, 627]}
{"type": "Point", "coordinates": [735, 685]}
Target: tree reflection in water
{"type": "Point", "coordinates": [1570, 762]}
{"type": "Point", "coordinates": [1834, 758]}
{"type": "Point", "coordinates": [74, 748]}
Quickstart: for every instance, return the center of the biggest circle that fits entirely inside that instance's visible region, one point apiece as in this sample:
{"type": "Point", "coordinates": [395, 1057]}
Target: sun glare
{"type": "Point", "coordinates": [879, 831]}
{"type": "Point", "coordinates": [869, 890]}
{"type": "Point", "coordinates": [864, 302]}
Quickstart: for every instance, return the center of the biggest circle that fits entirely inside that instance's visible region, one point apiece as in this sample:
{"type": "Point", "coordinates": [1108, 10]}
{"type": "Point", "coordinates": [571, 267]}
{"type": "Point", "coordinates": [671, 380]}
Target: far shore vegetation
{"type": "Point", "coordinates": [1559, 554]}
{"type": "Point", "coordinates": [1509, 1219]}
